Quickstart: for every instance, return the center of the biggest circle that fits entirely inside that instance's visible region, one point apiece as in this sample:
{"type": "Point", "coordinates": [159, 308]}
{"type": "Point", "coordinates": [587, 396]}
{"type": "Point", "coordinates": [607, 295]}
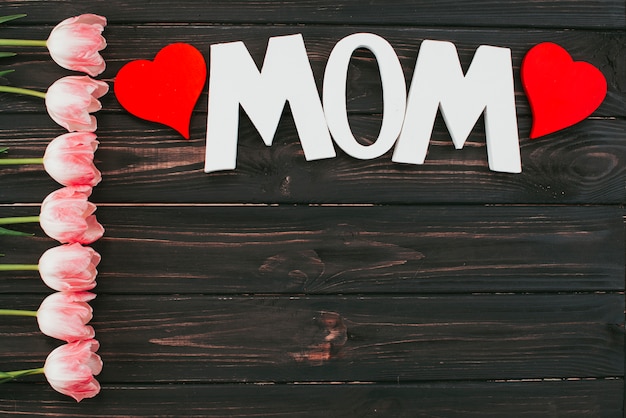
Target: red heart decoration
{"type": "Point", "coordinates": [164, 90]}
{"type": "Point", "coordinates": [561, 91]}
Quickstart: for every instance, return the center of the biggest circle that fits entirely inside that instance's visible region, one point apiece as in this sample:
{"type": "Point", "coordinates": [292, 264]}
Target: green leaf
{"type": "Point", "coordinates": [7, 55]}
{"type": "Point", "coordinates": [4, 150]}
{"type": "Point", "coordinates": [10, 17]}
{"type": "Point", "coordinates": [5, 231]}
{"type": "Point", "coordinates": [5, 72]}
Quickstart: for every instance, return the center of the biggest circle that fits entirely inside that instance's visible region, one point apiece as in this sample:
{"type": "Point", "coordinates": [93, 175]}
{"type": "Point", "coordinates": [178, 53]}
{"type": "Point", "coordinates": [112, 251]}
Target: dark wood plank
{"type": "Point", "coordinates": [326, 250]}
{"type": "Point", "coordinates": [411, 309]}
{"type": "Point", "coordinates": [584, 399]}
{"type": "Point", "coordinates": [126, 43]}
{"type": "Point", "coordinates": [145, 163]}
{"type": "Point", "coordinates": [195, 338]}
{"type": "Point", "coordinates": [546, 13]}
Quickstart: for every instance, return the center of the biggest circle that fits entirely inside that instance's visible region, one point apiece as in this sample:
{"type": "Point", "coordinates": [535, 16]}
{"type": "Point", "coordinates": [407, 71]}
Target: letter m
{"type": "Point", "coordinates": [286, 76]}
{"type": "Point", "coordinates": [439, 83]}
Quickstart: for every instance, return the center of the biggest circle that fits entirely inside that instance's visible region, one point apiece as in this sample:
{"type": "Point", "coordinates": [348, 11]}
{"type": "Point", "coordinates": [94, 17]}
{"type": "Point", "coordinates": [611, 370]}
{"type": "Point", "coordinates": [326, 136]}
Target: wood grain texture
{"type": "Point", "coordinates": [606, 14]}
{"type": "Point", "coordinates": [196, 338]}
{"type": "Point", "coordinates": [328, 250]}
{"type": "Point", "coordinates": [584, 399]}
{"type": "Point", "coordinates": [126, 43]}
{"type": "Point", "coordinates": [145, 163]}
{"type": "Point", "coordinates": [337, 287]}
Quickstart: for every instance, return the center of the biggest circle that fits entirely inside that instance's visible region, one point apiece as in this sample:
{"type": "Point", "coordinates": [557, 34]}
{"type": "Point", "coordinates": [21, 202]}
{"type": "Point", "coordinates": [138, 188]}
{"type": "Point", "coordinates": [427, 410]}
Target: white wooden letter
{"type": "Point", "coordinates": [334, 94]}
{"type": "Point", "coordinates": [438, 82]}
{"type": "Point", "coordinates": [286, 76]}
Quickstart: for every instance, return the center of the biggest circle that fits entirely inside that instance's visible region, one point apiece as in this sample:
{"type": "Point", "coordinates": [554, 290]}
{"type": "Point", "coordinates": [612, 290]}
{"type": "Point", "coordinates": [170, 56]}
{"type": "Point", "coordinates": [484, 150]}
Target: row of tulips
{"type": "Point", "coordinates": [66, 214]}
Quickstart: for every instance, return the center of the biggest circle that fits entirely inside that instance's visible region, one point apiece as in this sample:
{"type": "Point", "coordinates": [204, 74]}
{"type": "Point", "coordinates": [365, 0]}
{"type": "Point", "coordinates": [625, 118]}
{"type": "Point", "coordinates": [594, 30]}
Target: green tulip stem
{"type": "Point", "coordinates": [19, 267]}
{"type": "Point", "coordinates": [18, 90]}
{"type": "Point", "coordinates": [19, 220]}
{"type": "Point", "coordinates": [17, 312]}
{"type": "Point", "coordinates": [6, 376]}
{"type": "Point", "coordinates": [20, 161]}
{"type": "Point", "coordinates": [22, 42]}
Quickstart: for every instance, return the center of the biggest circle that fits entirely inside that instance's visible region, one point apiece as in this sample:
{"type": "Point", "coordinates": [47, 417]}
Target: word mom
{"type": "Point", "coordinates": [438, 83]}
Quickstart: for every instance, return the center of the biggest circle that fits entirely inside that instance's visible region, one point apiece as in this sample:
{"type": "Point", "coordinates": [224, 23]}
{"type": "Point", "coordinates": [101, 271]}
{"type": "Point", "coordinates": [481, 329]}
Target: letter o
{"type": "Point", "coordinates": [334, 94]}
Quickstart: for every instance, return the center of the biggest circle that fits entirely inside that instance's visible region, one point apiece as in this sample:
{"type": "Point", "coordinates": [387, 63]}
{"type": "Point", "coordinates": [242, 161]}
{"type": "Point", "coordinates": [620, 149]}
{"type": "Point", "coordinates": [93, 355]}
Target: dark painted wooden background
{"type": "Point", "coordinates": [336, 287]}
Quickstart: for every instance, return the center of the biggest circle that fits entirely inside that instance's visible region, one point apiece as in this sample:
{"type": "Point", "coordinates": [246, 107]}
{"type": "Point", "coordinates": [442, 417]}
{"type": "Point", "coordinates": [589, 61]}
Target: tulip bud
{"type": "Point", "coordinates": [69, 268]}
{"type": "Point", "coordinates": [69, 159]}
{"type": "Point", "coordinates": [70, 369]}
{"type": "Point", "coordinates": [71, 99]}
{"type": "Point", "coordinates": [67, 216]}
{"type": "Point", "coordinates": [75, 43]}
{"type": "Point", "coordinates": [65, 315]}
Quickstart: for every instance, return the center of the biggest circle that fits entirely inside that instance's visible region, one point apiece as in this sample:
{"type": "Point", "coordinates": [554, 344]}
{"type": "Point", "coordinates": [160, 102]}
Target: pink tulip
{"type": "Point", "coordinates": [69, 159]}
{"type": "Point", "coordinates": [71, 99]}
{"type": "Point", "coordinates": [67, 216]}
{"type": "Point", "coordinates": [65, 315]}
{"type": "Point", "coordinates": [69, 268]}
{"type": "Point", "coordinates": [75, 43]}
{"type": "Point", "coordinates": [70, 369]}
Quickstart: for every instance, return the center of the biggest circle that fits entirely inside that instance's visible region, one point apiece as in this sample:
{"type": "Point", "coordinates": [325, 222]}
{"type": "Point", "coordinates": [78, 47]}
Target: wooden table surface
{"type": "Point", "coordinates": [337, 287]}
